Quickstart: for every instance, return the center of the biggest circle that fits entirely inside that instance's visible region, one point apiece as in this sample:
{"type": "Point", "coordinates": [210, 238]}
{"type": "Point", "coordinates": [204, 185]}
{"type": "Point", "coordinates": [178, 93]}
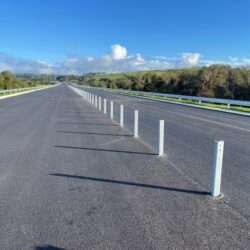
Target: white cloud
{"type": "Point", "coordinates": [20, 65]}
{"type": "Point", "coordinates": [118, 52]}
{"type": "Point", "coordinates": [117, 60]}
{"type": "Point", "coordinates": [191, 59]}
{"type": "Point", "coordinates": [236, 61]}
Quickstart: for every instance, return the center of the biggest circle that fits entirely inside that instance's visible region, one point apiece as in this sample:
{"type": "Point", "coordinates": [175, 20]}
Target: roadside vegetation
{"type": "Point", "coordinates": [10, 81]}
{"type": "Point", "coordinates": [220, 81]}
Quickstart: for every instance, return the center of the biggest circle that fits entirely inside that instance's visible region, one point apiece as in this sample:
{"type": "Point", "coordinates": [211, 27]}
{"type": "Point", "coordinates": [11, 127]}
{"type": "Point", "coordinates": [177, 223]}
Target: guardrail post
{"type": "Point", "coordinates": [217, 168]}
{"type": "Point", "coordinates": [95, 101]}
{"type": "Point", "coordinates": [111, 110]}
{"type": "Point", "coordinates": [100, 103]}
{"type": "Point", "coordinates": [136, 123]}
{"type": "Point", "coordinates": [161, 138]}
{"type": "Point", "coordinates": [121, 115]}
{"type": "Point", "coordinates": [105, 106]}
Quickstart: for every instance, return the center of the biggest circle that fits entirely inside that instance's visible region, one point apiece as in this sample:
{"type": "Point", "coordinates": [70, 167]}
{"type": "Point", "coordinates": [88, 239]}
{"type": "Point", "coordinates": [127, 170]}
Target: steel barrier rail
{"type": "Point", "coordinates": [6, 91]}
{"type": "Point", "coordinates": [181, 97]}
{"type": "Point", "coordinates": [185, 97]}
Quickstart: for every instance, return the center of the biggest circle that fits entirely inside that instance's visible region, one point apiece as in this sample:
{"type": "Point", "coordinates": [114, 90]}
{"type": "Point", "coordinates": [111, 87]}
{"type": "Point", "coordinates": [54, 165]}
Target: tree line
{"type": "Point", "coordinates": [220, 81]}
{"type": "Point", "coordinates": [10, 81]}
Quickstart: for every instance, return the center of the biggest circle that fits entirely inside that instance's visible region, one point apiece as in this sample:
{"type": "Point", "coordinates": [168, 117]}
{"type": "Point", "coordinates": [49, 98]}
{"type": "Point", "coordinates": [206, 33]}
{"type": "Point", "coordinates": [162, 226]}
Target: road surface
{"type": "Point", "coordinates": [72, 179]}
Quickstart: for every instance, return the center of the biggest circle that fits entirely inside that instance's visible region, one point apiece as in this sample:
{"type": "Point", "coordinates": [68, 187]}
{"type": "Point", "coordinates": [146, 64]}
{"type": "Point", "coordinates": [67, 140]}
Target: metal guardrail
{"type": "Point", "coordinates": [9, 91]}
{"type": "Point", "coordinates": [199, 99]}
{"type": "Point", "coordinates": [185, 97]}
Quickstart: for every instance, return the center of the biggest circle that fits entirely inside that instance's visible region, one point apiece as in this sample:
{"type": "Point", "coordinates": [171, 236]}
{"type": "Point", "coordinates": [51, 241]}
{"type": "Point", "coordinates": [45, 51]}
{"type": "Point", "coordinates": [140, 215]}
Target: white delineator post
{"type": "Point", "coordinates": [111, 110]}
{"type": "Point", "coordinates": [217, 168]}
{"type": "Point", "coordinates": [105, 106]}
{"type": "Point", "coordinates": [161, 138]}
{"type": "Point", "coordinates": [136, 123]}
{"type": "Point", "coordinates": [121, 115]}
{"type": "Point", "coordinates": [100, 103]}
{"type": "Point", "coordinates": [96, 101]}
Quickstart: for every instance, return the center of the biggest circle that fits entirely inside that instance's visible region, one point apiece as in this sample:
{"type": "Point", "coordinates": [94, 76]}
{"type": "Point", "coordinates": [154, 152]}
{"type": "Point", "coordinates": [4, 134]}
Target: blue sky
{"type": "Point", "coordinates": [107, 35]}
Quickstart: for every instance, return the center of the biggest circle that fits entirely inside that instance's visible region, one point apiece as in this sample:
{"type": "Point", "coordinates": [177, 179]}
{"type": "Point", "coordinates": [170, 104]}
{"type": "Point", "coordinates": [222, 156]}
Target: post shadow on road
{"type": "Point", "coordinates": [93, 133]}
{"type": "Point", "coordinates": [105, 150]}
{"type": "Point", "coordinates": [129, 183]}
{"type": "Point", "coordinates": [90, 123]}
{"type": "Point", "coordinates": [48, 247]}
{"type": "Point", "coordinates": [79, 116]}
{"type": "Point", "coordinates": [87, 117]}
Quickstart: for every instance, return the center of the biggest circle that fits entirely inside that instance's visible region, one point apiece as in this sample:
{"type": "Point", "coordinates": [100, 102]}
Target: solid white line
{"type": "Point", "coordinates": [214, 122]}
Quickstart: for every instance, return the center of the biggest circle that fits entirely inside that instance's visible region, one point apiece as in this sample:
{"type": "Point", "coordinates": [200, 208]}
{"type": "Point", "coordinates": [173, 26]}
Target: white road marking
{"type": "Point", "coordinates": [209, 121]}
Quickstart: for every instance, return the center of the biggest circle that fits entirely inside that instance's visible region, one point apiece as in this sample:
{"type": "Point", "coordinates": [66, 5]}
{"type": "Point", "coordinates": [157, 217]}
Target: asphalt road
{"type": "Point", "coordinates": [72, 179]}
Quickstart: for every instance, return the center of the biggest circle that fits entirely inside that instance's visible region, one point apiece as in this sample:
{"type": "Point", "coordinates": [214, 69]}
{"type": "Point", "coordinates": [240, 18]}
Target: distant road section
{"type": "Point", "coordinates": [70, 178]}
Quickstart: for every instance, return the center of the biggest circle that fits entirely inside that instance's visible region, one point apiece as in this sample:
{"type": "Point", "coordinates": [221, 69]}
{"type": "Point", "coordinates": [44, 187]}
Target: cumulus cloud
{"type": "Point", "coordinates": [118, 60]}
{"type": "Point", "coordinates": [118, 52]}
{"type": "Point", "coordinates": [191, 59]}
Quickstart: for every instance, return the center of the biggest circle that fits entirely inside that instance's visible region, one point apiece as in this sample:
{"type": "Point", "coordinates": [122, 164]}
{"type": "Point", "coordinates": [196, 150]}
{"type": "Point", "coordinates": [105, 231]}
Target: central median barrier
{"type": "Point", "coordinates": [217, 161]}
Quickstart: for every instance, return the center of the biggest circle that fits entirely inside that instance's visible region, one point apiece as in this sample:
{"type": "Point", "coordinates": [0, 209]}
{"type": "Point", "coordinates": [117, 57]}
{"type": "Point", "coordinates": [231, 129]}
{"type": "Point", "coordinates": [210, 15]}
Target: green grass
{"type": "Point", "coordinates": [206, 104]}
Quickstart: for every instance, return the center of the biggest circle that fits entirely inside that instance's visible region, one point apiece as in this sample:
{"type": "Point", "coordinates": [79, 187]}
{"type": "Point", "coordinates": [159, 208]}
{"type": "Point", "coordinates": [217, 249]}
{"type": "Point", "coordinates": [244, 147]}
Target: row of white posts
{"type": "Point", "coordinates": [218, 147]}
